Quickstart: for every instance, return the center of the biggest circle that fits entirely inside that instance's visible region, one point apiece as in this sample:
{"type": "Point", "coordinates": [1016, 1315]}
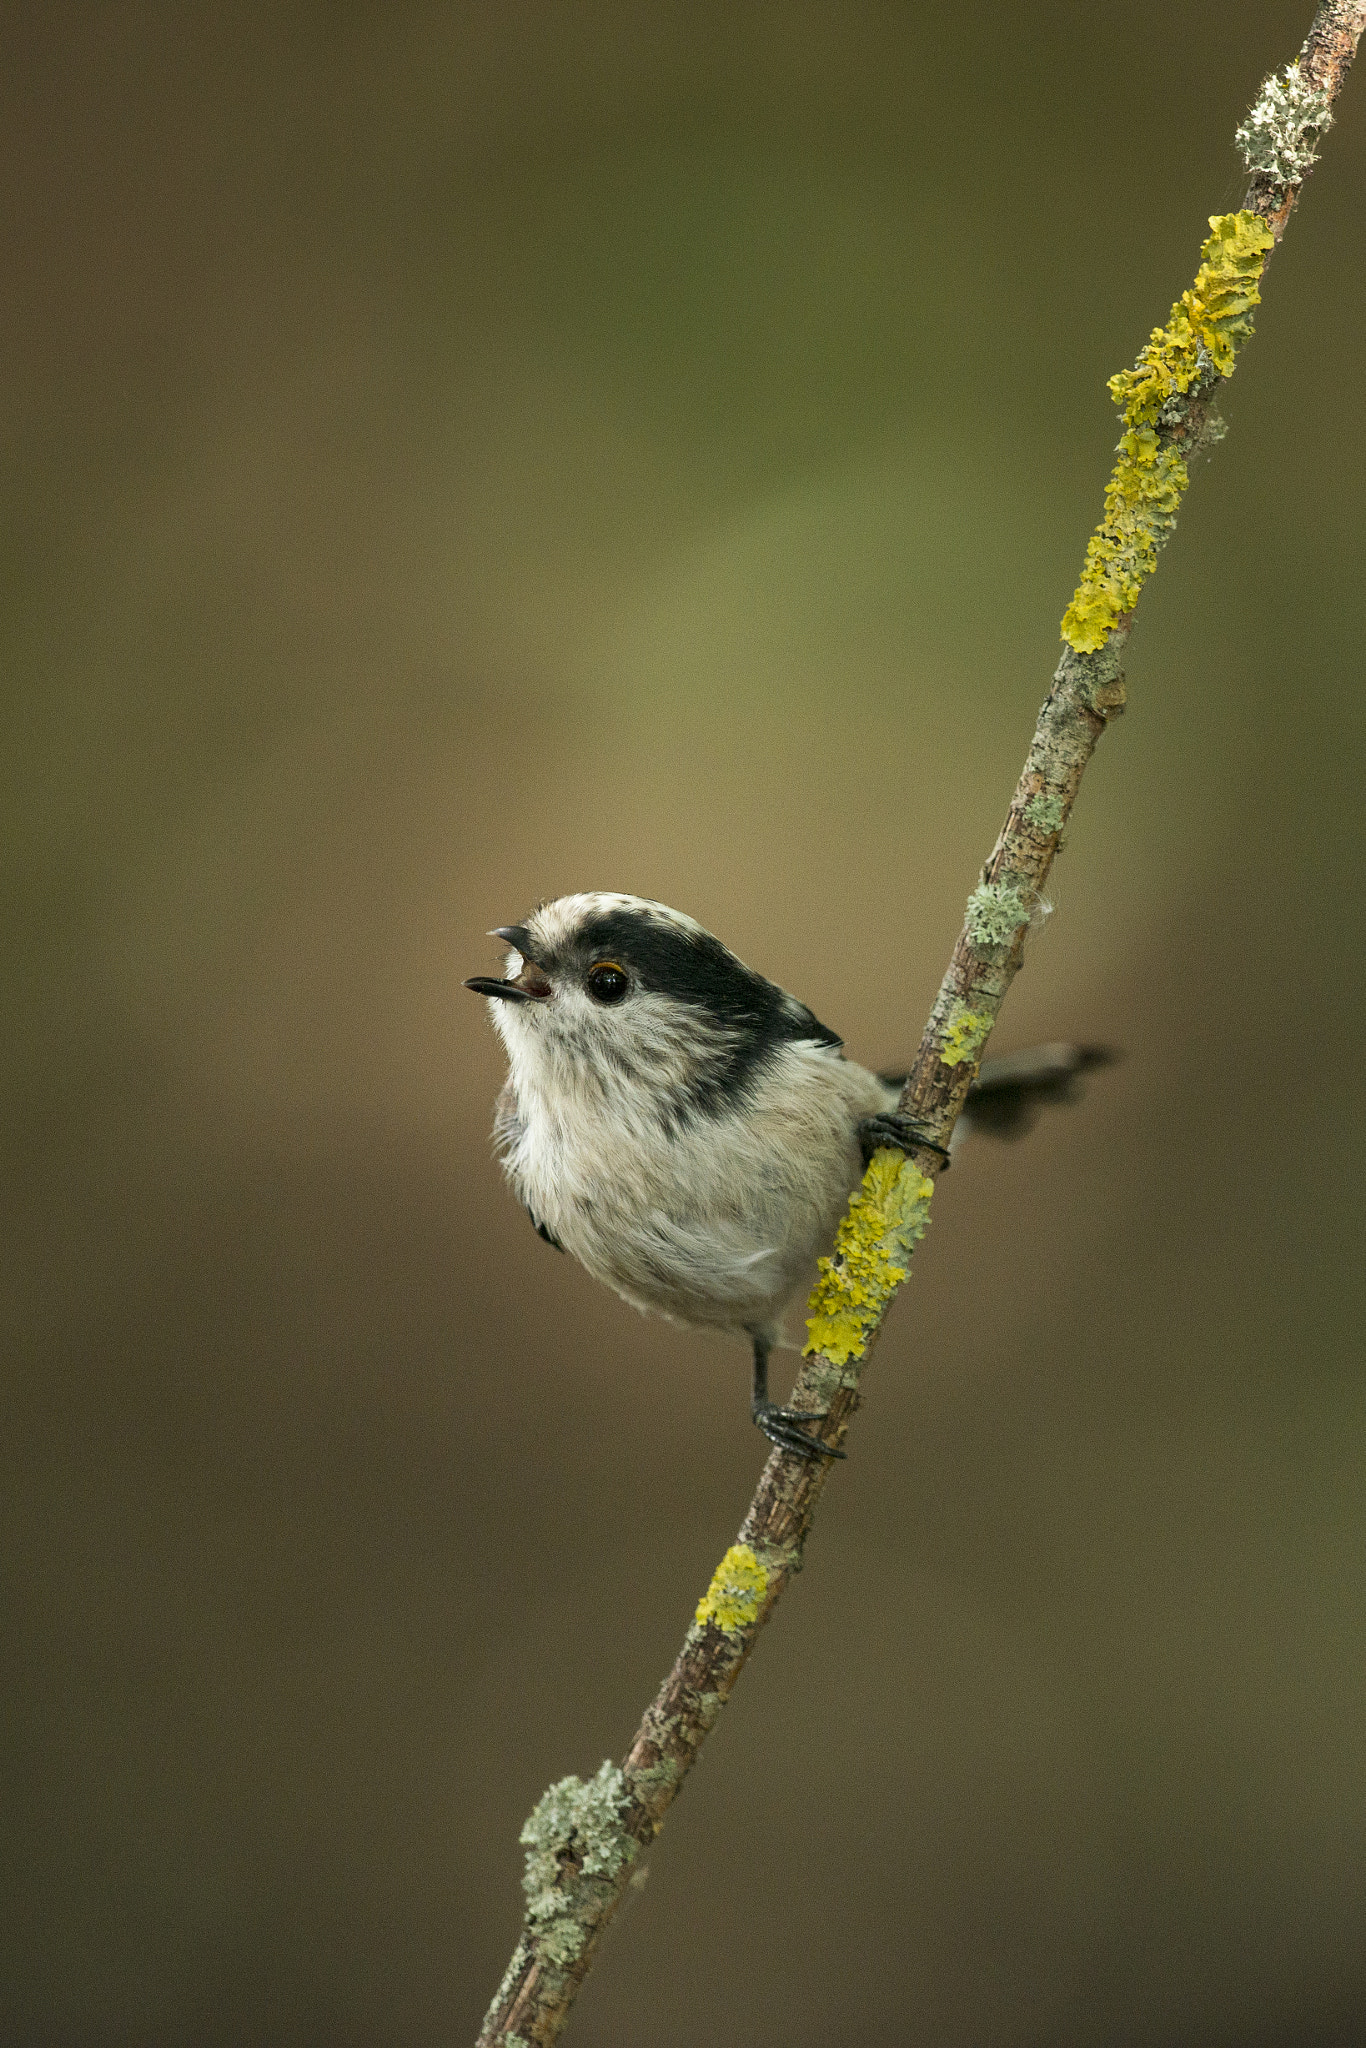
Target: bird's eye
{"type": "Point", "coordinates": [607, 983]}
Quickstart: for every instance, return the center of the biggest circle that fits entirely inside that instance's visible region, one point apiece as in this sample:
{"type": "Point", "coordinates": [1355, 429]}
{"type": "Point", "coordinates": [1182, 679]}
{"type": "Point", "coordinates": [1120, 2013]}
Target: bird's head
{"type": "Point", "coordinates": [609, 993]}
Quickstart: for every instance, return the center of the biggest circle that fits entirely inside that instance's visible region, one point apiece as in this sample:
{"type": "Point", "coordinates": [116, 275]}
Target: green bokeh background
{"type": "Point", "coordinates": [461, 454]}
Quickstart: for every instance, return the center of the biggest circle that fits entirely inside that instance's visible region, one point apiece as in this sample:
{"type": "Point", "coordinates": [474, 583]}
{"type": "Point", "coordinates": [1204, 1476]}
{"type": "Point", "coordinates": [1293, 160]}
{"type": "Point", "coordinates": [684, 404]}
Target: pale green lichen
{"type": "Point", "coordinates": [1206, 328]}
{"type": "Point", "coordinates": [996, 910]}
{"type": "Point", "coordinates": [736, 1592]}
{"type": "Point", "coordinates": [968, 1031]}
{"type": "Point", "coordinates": [1214, 430]}
{"type": "Point", "coordinates": [652, 1779]}
{"type": "Point", "coordinates": [562, 1940]}
{"type": "Point", "coordinates": [873, 1246]}
{"type": "Point", "coordinates": [576, 1849]}
{"type": "Point", "coordinates": [510, 1976]}
{"type": "Point", "coordinates": [822, 1381]}
{"type": "Point", "coordinates": [1286, 120]}
{"type": "Point", "coordinates": [1045, 813]}
{"type": "Point", "coordinates": [1095, 679]}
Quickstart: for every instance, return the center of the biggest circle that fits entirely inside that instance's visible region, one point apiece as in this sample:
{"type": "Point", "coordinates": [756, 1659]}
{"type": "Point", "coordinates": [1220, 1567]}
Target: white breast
{"type": "Point", "coordinates": [716, 1222]}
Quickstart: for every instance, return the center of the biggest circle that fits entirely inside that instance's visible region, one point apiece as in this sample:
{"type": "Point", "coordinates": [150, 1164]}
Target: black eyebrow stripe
{"type": "Point", "coordinates": [695, 967]}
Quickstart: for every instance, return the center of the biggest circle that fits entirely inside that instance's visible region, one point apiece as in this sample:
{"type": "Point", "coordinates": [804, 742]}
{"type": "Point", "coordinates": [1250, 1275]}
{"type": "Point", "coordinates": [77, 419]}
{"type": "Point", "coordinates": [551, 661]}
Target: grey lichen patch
{"type": "Point", "coordinates": [520, 1957]}
{"type": "Point", "coordinates": [651, 1780]}
{"type": "Point", "coordinates": [701, 1708]}
{"type": "Point", "coordinates": [1214, 430]}
{"type": "Point", "coordinates": [996, 910]}
{"type": "Point", "coordinates": [1045, 813]}
{"type": "Point", "coordinates": [576, 1850]}
{"type": "Point", "coordinates": [562, 1940]}
{"type": "Point", "coordinates": [824, 1379]}
{"type": "Point", "coordinates": [1277, 139]}
{"type": "Point", "coordinates": [1095, 678]}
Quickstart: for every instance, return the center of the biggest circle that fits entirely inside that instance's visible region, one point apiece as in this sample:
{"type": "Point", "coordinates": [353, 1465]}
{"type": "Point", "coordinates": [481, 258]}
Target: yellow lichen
{"type": "Point", "coordinates": [967, 1034]}
{"type": "Point", "coordinates": [736, 1592]}
{"type": "Point", "coordinates": [871, 1258]}
{"type": "Point", "coordinates": [1207, 326]}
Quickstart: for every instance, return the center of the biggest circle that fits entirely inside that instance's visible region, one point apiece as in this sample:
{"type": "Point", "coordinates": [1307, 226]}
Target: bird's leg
{"type": "Point", "coordinates": [891, 1128]}
{"type": "Point", "coordinates": [782, 1426]}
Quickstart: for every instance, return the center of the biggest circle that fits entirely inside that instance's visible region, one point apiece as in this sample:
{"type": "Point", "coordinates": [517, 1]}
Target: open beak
{"type": "Point", "coordinates": [508, 991]}
{"type": "Point", "coordinates": [527, 985]}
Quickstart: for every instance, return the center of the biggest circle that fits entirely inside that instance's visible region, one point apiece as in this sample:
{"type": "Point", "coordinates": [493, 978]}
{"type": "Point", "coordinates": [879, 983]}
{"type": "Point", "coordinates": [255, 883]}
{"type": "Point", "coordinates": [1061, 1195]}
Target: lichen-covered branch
{"type": "Point", "coordinates": [1183, 360]}
{"type": "Point", "coordinates": [584, 1839]}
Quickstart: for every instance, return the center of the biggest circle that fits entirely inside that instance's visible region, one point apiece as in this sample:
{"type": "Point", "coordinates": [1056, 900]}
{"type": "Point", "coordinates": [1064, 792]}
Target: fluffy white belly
{"type": "Point", "coordinates": [716, 1223]}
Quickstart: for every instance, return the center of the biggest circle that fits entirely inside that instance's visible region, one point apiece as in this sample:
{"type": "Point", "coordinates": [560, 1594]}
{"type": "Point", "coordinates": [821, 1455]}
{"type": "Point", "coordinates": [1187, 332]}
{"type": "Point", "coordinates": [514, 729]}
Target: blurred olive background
{"type": "Point", "coordinates": [460, 454]}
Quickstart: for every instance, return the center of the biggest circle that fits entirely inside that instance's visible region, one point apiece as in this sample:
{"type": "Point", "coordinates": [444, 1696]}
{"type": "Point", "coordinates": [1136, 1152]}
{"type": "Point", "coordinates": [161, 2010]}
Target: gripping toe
{"type": "Point", "coordinates": [783, 1427]}
{"type": "Point", "coordinates": [900, 1132]}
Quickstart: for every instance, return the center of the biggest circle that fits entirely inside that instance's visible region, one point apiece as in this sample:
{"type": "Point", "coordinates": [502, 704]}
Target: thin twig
{"type": "Point", "coordinates": [583, 1839]}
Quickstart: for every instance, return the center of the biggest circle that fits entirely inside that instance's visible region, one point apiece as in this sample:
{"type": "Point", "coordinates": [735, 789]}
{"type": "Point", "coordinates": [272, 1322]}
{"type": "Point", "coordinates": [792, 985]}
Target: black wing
{"type": "Point", "coordinates": [541, 1231]}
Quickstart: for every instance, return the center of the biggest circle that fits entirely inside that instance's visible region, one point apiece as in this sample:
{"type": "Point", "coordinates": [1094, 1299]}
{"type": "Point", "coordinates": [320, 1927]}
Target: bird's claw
{"type": "Point", "coordinates": [897, 1131]}
{"type": "Point", "coordinates": [782, 1426]}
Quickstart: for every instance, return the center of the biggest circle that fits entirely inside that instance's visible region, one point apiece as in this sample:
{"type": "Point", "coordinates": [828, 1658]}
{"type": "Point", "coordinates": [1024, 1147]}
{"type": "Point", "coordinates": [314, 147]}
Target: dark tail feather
{"type": "Point", "coordinates": [1005, 1099]}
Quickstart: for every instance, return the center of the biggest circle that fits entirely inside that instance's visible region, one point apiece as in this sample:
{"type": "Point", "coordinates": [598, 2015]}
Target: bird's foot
{"type": "Point", "coordinates": [783, 1427]}
{"type": "Point", "coordinates": [897, 1131]}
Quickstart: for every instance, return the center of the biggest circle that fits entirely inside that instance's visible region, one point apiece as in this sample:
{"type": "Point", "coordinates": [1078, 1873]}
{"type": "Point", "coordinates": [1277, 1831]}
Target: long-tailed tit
{"type": "Point", "coordinates": [687, 1129]}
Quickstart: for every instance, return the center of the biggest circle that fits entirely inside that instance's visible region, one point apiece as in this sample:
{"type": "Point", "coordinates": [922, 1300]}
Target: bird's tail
{"type": "Point", "coordinates": [1005, 1099]}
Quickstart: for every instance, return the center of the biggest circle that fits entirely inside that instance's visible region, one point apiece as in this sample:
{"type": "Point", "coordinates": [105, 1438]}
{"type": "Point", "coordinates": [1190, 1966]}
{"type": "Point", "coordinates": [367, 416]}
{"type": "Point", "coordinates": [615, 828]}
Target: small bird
{"type": "Point", "coordinates": [687, 1129]}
